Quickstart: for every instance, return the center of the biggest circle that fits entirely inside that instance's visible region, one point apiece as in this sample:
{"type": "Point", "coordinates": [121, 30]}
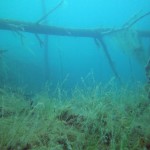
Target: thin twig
{"type": "Point", "coordinates": [137, 19]}
{"type": "Point", "coordinates": [39, 40]}
{"type": "Point", "coordinates": [127, 25]}
{"type": "Point", "coordinates": [131, 19]}
{"type": "Point", "coordinates": [51, 11]}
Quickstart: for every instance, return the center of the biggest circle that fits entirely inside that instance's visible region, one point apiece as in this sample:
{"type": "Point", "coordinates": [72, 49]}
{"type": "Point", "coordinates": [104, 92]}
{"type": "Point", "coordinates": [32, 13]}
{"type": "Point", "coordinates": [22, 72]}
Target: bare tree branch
{"type": "Point", "coordinates": [137, 19]}
{"type": "Point", "coordinates": [51, 11]}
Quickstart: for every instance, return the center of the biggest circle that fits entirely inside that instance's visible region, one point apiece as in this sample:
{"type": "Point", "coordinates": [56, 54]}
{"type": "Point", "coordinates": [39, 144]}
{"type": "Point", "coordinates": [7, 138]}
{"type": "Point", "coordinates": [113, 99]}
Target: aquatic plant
{"type": "Point", "coordinates": [102, 119]}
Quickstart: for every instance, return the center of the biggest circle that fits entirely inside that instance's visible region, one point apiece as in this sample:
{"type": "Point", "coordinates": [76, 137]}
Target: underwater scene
{"type": "Point", "coordinates": [74, 75]}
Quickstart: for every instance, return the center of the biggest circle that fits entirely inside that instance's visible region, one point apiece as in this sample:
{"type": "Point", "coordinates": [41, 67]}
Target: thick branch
{"type": "Point", "coordinates": [101, 41]}
{"type": "Point", "coordinates": [13, 25]}
{"type": "Point", "coordinates": [45, 29]}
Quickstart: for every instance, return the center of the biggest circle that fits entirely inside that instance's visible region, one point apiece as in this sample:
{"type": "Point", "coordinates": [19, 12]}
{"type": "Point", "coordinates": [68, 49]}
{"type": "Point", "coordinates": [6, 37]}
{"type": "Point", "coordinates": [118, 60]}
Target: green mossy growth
{"type": "Point", "coordinates": [102, 119]}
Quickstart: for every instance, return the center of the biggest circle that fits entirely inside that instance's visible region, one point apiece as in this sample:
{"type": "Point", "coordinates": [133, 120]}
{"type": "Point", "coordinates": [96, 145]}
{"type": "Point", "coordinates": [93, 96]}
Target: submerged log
{"type": "Point", "coordinates": [13, 25]}
{"type": "Point", "coordinates": [35, 28]}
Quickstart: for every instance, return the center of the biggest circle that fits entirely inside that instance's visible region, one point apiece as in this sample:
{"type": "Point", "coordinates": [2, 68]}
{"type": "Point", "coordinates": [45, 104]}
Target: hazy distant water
{"type": "Point", "coordinates": [73, 57]}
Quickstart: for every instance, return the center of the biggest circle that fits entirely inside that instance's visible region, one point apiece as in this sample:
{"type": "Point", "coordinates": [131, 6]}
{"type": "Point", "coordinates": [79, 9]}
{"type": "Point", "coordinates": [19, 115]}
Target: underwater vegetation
{"type": "Point", "coordinates": [98, 118]}
{"type": "Point", "coordinates": [40, 111]}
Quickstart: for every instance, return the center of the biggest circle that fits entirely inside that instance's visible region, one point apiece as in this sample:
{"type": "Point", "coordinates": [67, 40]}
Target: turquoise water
{"type": "Point", "coordinates": [66, 91]}
{"type": "Point", "coordinates": [72, 58]}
